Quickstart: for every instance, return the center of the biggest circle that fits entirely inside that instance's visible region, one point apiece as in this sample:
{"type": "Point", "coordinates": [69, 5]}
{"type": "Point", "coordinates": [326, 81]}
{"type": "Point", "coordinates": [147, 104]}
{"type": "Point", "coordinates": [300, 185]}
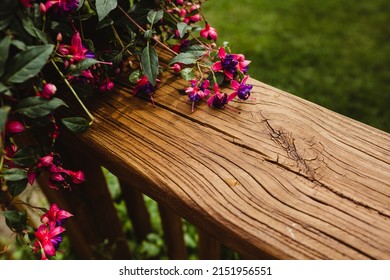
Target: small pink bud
{"type": "Point", "coordinates": [45, 161]}
{"type": "Point", "coordinates": [48, 90]}
{"type": "Point", "coordinates": [183, 12]}
{"type": "Point", "coordinates": [78, 177]}
{"type": "Point", "coordinates": [59, 37]}
{"type": "Point", "coordinates": [176, 67]}
{"type": "Point", "coordinates": [14, 127]}
{"type": "Point", "coordinates": [42, 8]}
{"type": "Point", "coordinates": [179, 2]}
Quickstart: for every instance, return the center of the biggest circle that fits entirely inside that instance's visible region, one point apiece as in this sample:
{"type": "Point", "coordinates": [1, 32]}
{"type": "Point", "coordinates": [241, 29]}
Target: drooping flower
{"type": "Point", "coordinates": [75, 51]}
{"type": "Point", "coordinates": [241, 90]}
{"type": "Point", "coordinates": [230, 63]}
{"type": "Point", "coordinates": [143, 86]}
{"type": "Point", "coordinates": [55, 216]}
{"type": "Point", "coordinates": [208, 32]}
{"type": "Point", "coordinates": [62, 6]}
{"type": "Point", "coordinates": [197, 91]}
{"type": "Point", "coordinates": [218, 100]}
{"type": "Point", "coordinates": [48, 240]}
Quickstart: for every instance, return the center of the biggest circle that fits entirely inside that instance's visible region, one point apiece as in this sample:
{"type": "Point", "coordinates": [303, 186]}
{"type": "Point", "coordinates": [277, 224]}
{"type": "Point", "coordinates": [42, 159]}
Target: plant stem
{"type": "Point", "coordinates": [91, 117]}
{"type": "Point", "coordinates": [143, 30]}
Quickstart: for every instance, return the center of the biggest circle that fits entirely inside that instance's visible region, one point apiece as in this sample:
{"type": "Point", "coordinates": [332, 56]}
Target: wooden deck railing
{"type": "Point", "coordinates": [278, 177]}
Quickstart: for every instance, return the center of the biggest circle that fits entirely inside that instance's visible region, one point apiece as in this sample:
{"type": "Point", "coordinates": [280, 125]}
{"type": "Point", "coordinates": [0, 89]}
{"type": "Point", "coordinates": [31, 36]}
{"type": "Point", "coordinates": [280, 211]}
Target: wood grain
{"type": "Point", "coordinates": [277, 176]}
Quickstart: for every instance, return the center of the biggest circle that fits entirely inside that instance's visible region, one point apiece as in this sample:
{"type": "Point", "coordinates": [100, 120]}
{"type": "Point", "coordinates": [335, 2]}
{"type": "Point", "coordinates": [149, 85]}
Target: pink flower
{"type": "Point", "coordinates": [210, 33]}
{"type": "Point", "coordinates": [14, 127]}
{"type": "Point", "coordinates": [76, 49]}
{"type": "Point", "coordinates": [230, 63]}
{"type": "Point", "coordinates": [242, 90]}
{"type": "Point", "coordinates": [197, 91]}
{"type": "Point", "coordinates": [77, 177]}
{"type": "Point", "coordinates": [48, 240]}
{"type": "Point", "coordinates": [63, 6]}
{"type": "Point", "coordinates": [176, 67]}
{"type": "Point", "coordinates": [55, 216]}
{"type": "Point", "coordinates": [218, 100]}
{"type": "Point", "coordinates": [48, 90]}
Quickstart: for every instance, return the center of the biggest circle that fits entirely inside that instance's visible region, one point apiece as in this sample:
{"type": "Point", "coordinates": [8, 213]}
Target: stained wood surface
{"type": "Point", "coordinates": [277, 176]}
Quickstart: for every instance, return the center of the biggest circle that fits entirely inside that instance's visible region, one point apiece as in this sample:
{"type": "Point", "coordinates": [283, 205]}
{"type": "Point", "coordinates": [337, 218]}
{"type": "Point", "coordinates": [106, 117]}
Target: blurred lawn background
{"type": "Point", "coordinates": [331, 52]}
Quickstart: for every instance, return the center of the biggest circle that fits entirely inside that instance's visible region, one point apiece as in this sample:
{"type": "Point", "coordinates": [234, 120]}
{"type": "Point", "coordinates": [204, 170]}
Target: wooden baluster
{"type": "Point", "coordinates": [93, 209]}
{"type": "Point", "coordinates": [209, 247]}
{"type": "Point", "coordinates": [173, 234]}
{"type": "Point", "coordinates": [136, 209]}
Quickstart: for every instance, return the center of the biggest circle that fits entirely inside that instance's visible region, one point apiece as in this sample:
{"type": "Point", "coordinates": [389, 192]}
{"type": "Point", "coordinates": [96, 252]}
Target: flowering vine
{"type": "Point", "coordinates": [53, 48]}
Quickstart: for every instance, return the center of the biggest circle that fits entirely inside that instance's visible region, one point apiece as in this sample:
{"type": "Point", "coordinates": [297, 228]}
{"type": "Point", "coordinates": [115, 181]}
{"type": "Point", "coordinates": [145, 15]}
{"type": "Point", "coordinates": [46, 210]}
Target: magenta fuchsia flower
{"type": "Point", "coordinates": [197, 91]}
{"type": "Point", "coordinates": [218, 100]}
{"type": "Point", "coordinates": [241, 90]}
{"type": "Point", "coordinates": [208, 32]}
{"type": "Point", "coordinates": [75, 51]}
{"type": "Point", "coordinates": [48, 240]}
{"type": "Point", "coordinates": [143, 86]}
{"type": "Point", "coordinates": [14, 127]}
{"type": "Point", "coordinates": [62, 6]}
{"type": "Point", "coordinates": [230, 63]}
{"type": "Point", "coordinates": [55, 216]}
{"type": "Point", "coordinates": [191, 17]}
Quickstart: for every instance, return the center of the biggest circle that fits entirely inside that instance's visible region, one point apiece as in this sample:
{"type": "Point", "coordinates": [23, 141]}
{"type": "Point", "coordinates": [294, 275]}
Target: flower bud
{"type": "Point", "coordinates": [14, 127]}
{"type": "Point", "coordinates": [176, 67]}
{"type": "Point", "coordinates": [45, 161]}
{"type": "Point", "coordinates": [59, 37]}
{"type": "Point", "coordinates": [78, 177]}
{"type": "Point", "coordinates": [42, 8]}
{"type": "Point", "coordinates": [48, 90]}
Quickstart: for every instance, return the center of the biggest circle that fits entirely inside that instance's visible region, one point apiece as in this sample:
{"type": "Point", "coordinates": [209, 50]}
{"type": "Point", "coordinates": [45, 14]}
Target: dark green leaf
{"type": "Point", "coordinates": [4, 48]}
{"type": "Point", "coordinates": [13, 174]}
{"type": "Point", "coordinates": [19, 44]}
{"type": "Point", "coordinates": [76, 124]}
{"type": "Point", "coordinates": [4, 89]}
{"type": "Point", "coordinates": [35, 106]}
{"type": "Point", "coordinates": [185, 58]}
{"type": "Point", "coordinates": [148, 34]}
{"type": "Point", "coordinates": [82, 65]}
{"type": "Point", "coordinates": [7, 11]}
{"type": "Point", "coordinates": [220, 77]}
{"type": "Point", "coordinates": [28, 63]}
{"type": "Point", "coordinates": [155, 16]}
{"type": "Point", "coordinates": [26, 156]}
{"type": "Point", "coordinates": [15, 220]}
{"type": "Point", "coordinates": [3, 116]}
{"type": "Point", "coordinates": [104, 7]}
{"type": "Point", "coordinates": [17, 187]}
{"type": "Point", "coordinates": [149, 62]}
{"type": "Point", "coordinates": [183, 27]}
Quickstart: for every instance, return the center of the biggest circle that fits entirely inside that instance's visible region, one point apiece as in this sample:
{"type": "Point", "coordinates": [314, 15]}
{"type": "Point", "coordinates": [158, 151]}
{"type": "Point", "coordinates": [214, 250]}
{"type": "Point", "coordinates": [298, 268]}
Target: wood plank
{"type": "Point", "coordinates": [280, 175]}
{"type": "Point", "coordinates": [173, 233]}
{"type": "Point", "coordinates": [209, 248]}
{"type": "Point", "coordinates": [137, 211]}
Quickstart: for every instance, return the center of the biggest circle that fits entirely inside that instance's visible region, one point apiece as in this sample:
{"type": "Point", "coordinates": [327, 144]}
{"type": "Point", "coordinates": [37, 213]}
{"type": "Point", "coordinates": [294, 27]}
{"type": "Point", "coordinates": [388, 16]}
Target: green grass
{"type": "Point", "coordinates": [333, 53]}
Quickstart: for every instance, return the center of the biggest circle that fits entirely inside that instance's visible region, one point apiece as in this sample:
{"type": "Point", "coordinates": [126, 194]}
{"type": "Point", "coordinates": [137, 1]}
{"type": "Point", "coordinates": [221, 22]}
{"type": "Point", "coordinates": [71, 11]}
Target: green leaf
{"type": "Point", "coordinates": [4, 48]}
{"type": "Point", "coordinates": [26, 156]}
{"type": "Point", "coordinates": [35, 106]}
{"type": "Point", "coordinates": [104, 7]}
{"type": "Point", "coordinates": [28, 63]}
{"type": "Point", "coordinates": [149, 60]}
{"type": "Point", "coordinates": [185, 58]}
{"type": "Point", "coordinates": [4, 111]}
{"type": "Point", "coordinates": [187, 74]}
{"type": "Point", "coordinates": [183, 27]}
{"type": "Point", "coordinates": [15, 220]}
{"type": "Point", "coordinates": [13, 174]}
{"type": "Point", "coordinates": [76, 124]}
{"type": "Point", "coordinates": [17, 187]}
{"type": "Point", "coordinates": [7, 12]}
{"type": "Point", "coordinates": [154, 16]}
{"type": "Point", "coordinates": [82, 65]}
{"type": "Point", "coordinates": [134, 76]}
{"type": "Point", "coordinates": [196, 50]}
